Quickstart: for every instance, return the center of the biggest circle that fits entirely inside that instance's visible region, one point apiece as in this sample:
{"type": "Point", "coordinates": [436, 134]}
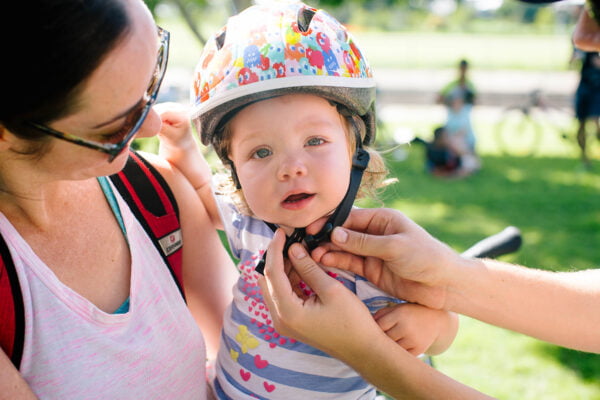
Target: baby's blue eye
{"type": "Point", "coordinates": [261, 153]}
{"type": "Point", "coordinates": [315, 141]}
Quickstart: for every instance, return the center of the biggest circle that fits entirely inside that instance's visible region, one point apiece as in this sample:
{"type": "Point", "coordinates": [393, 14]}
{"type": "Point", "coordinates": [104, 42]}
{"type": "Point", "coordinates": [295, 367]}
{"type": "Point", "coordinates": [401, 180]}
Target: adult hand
{"type": "Point", "coordinates": [393, 253]}
{"type": "Point", "coordinates": [333, 319]}
{"type": "Point", "coordinates": [337, 322]}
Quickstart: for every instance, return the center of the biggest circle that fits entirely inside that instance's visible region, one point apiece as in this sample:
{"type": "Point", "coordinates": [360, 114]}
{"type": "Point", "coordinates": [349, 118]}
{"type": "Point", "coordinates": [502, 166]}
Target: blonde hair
{"type": "Point", "coordinates": [373, 179]}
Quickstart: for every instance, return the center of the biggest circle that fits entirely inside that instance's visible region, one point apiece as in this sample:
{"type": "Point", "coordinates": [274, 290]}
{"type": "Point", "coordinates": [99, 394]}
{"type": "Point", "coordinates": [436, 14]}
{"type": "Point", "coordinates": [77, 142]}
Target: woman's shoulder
{"type": "Point", "coordinates": [158, 162]}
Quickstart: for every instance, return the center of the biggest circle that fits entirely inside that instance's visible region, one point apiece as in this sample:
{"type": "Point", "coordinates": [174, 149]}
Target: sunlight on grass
{"type": "Point", "coordinates": [568, 178]}
{"type": "Point", "coordinates": [484, 356]}
{"type": "Point", "coordinates": [555, 205]}
{"type": "Point", "coordinates": [514, 175]}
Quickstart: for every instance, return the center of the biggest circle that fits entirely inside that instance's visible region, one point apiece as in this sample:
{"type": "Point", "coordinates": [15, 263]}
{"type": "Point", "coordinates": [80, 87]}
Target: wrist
{"type": "Point", "coordinates": [462, 276]}
{"type": "Point", "coordinates": [361, 356]}
{"type": "Point", "coordinates": [352, 348]}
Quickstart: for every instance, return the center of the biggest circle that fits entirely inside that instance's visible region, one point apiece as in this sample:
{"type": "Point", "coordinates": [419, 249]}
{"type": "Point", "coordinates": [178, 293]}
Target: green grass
{"type": "Point", "coordinates": [508, 365]}
{"type": "Point", "coordinates": [555, 204]}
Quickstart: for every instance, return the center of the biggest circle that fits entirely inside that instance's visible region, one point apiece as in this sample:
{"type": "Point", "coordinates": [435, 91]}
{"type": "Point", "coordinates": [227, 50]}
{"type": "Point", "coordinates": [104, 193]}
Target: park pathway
{"type": "Point", "coordinates": [495, 88]}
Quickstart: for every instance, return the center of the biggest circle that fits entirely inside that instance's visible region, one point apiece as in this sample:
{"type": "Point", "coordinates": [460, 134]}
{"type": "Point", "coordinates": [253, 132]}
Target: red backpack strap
{"type": "Point", "coordinates": [154, 205]}
{"type": "Point", "coordinates": [12, 311]}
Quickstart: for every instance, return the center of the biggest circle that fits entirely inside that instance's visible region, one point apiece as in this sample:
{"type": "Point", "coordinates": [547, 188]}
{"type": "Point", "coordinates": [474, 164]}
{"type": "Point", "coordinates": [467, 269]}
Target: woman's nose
{"type": "Point", "coordinates": [151, 125]}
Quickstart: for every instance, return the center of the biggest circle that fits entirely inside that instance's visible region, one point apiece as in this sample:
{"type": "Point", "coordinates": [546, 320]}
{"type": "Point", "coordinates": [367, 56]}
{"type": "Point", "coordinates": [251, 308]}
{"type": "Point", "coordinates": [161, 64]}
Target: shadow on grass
{"type": "Point", "coordinates": [554, 203]}
{"type": "Point", "coordinates": [585, 365]}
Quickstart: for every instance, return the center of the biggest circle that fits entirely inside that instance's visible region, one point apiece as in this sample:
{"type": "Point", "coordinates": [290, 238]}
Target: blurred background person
{"type": "Point", "coordinates": [459, 96]}
{"type": "Point", "coordinates": [587, 98]}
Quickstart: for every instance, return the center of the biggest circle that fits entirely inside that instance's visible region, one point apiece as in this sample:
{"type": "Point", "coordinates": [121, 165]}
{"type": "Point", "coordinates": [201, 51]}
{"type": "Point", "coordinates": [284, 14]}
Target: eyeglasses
{"type": "Point", "coordinates": [118, 140]}
{"type": "Point", "coordinates": [593, 9]}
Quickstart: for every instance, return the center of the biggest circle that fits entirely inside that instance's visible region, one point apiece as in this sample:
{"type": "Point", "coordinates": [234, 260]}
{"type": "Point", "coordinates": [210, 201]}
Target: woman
{"type": "Point", "coordinates": [102, 314]}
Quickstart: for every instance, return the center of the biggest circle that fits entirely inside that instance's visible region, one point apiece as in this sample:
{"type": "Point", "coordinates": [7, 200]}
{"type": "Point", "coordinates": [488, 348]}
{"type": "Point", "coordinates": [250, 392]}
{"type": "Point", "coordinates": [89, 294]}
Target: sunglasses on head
{"type": "Point", "coordinates": [116, 142]}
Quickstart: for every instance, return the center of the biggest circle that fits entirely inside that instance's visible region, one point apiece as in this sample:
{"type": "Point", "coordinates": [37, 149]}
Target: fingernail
{"type": "Point", "coordinates": [340, 235]}
{"type": "Point", "coordinates": [298, 252]}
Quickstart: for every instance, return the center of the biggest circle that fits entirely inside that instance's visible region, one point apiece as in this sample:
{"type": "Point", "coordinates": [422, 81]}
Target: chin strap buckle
{"type": "Point", "coordinates": [313, 241]}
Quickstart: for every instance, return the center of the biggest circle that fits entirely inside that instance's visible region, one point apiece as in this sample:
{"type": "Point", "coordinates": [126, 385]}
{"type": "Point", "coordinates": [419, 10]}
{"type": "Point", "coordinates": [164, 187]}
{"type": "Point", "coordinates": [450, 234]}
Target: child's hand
{"type": "Point", "coordinates": [180, 149]}
{"type": "Point", "coordinates": [418, 329]}
{"type": "Point", "coordinates": [176, 130]}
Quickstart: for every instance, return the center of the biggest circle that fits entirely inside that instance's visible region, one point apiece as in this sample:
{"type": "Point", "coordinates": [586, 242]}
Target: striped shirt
{"type": "Point", "coordinates": [254, 360]}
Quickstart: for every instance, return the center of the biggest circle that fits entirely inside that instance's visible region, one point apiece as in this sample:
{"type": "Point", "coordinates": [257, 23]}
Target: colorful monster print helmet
{"type": "Point", "coordinates": [275, 49]}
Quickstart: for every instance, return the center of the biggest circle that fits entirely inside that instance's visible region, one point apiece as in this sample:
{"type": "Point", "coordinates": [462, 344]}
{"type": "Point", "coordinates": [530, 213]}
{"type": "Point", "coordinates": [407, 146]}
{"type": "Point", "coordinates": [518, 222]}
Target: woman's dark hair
{"type": "Point", "coordinates": [50, 47]}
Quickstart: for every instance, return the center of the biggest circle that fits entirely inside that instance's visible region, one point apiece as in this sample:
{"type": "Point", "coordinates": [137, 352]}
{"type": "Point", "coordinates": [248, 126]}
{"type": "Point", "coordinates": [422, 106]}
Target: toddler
{"type": "Point", "coordinates": [286, 99]}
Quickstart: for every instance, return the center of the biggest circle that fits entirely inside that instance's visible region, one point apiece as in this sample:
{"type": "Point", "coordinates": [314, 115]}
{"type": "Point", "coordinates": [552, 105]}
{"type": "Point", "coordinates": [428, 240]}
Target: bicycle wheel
{"type": "Point", "coordinates": [517, 133]}
{"type": "Point", "coordinates": [560, 129]}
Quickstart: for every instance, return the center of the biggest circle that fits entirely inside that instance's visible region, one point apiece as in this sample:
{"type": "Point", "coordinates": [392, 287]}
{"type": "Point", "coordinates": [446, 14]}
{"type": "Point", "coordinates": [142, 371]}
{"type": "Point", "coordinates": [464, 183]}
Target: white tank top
{"type": "Point", "coordinates": [73, 350]}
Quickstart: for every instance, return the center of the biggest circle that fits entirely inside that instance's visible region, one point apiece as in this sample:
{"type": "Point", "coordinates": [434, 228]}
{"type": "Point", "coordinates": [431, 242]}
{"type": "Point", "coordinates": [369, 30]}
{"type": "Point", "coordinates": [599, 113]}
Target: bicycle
{"type": "Point", "coordinates": [522, 128]}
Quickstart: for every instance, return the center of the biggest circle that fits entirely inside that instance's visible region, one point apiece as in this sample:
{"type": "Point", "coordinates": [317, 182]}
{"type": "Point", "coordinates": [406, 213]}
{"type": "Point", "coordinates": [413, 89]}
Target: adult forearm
{"type": "Point", "coordinates": [399, 374]}
{"type": "Point", "coordinates": [561, 308]}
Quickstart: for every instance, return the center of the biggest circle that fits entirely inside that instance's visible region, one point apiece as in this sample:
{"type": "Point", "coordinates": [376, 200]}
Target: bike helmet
{"type": "Point", "coordinates": [275, 49]}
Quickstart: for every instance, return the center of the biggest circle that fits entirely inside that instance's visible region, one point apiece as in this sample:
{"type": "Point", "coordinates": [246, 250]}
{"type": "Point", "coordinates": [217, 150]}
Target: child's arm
{"type": "Point", "coordinates": [417, 328]}
{"type": "Point", "coordinates": [180, 149]}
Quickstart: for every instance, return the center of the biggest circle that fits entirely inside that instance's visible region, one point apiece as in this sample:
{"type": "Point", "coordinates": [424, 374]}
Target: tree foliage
{"type": "Point", "coordinates": [382, 15]}
{"type": "Point", "coordinates": [192, 11]}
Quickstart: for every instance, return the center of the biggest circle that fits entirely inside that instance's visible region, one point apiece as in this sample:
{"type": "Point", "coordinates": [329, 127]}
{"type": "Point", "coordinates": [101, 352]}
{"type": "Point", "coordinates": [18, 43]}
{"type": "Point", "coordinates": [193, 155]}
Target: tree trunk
{"type": "Point", "coordinates": [189, 20]}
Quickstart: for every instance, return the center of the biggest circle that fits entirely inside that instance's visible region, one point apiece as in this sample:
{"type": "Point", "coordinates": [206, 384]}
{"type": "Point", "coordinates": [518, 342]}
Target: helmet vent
{"type": "Point", "coordinates": [304, 17]}
{"type": "Point", "coordinates": [220, 39]}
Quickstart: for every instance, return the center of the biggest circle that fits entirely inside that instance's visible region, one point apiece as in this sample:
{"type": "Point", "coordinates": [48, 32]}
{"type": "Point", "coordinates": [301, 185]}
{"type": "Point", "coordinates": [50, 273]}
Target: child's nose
{"type": "Point", "coordinates": [292, 166]}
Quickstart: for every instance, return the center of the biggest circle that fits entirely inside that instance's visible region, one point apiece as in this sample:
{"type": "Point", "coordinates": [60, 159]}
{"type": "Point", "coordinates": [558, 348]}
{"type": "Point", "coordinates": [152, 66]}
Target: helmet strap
{"type": "Point", "coordinates": [234, 177]}
{"type": "Point", "coordinates": [360, 160]}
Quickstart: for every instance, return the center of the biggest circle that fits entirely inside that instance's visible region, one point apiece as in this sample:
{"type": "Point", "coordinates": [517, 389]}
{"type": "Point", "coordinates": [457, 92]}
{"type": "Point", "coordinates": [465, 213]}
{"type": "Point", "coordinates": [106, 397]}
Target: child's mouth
{"type": "Point", "coordinates": [294, 198]}
{"type": "Point", "coordinates": [297, 201]}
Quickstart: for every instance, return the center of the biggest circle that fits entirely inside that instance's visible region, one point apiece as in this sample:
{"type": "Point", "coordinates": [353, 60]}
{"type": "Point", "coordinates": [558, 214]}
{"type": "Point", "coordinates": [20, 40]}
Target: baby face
{"type": "Point", "coordinates": [292, 157]}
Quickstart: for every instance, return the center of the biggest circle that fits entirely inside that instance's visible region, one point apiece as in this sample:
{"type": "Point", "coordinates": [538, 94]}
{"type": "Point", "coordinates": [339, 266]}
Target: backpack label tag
{"type": "Point", "coordinates": [171, 242]}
